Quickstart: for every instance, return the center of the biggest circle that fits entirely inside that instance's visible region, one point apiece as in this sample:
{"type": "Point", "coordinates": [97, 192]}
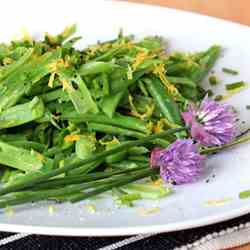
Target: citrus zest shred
{"type": "Point", "coordinates": [159, 126]}
{"type": "Point", "coordinates": [72, 138]}
{"type": "Point", "coordinates": [50, 38]}
{"type": "Point", "coordinates": [66, 85]}
{"type": "Point", "coordinates": [160, 71]}
{"type": "Point", "coordinates": [51, 79]}
{"type": "Point", "coordinates": [9, 211]}
{"type": "Point", "coordinates": [158, 183]}
{"type": "Point", "coordinates": [140, 57]}
{"type": "Point", "coordinates": [218, 202]}
{"type": "Point", "coordinates": [147, 211]}
{"type": "Point", "coordinates": [26, 35]}
{"type": "Point", "coordinates": [134, 112]}
{"type": "Point", "coordinates": [114, 141]}
{"type": "Point", "coordinates": [7, 60]}
{"type": "Point", "coordinates": [91, 208]}
{"type": "Point", "coordinates": [129, 73]}
{"type": "Point", "coordinates": [40, 157]}
{"type": "Point", "coordinates": [51, 209]}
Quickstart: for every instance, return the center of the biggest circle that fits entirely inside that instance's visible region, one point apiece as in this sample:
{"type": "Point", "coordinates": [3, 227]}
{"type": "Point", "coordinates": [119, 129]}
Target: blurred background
{"type": "Point", "coordinates": [234, 10]}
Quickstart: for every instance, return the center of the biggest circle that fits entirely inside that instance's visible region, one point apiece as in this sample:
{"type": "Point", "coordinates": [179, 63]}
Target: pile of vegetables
{"type": "Point", "coordinates": [76, 123]}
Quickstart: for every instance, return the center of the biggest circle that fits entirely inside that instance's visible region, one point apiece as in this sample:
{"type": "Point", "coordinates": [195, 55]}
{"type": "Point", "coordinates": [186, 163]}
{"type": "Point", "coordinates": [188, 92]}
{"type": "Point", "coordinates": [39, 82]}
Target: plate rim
{"type": "Point", "coordinates": [145, 229]}
{"type": "Point", "coordinates": [125, 231]}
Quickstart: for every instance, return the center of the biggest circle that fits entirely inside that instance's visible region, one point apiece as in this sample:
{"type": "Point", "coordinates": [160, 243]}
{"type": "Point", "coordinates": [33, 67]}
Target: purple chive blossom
{"type": "Point", "coordinates": [212, 123]}
{"type": "Point", "coordinates": [179, 163]}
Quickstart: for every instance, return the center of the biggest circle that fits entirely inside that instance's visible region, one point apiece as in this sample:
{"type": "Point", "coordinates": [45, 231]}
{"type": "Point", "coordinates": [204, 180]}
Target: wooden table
{"type": "Point", "coordinates": [234, 10]}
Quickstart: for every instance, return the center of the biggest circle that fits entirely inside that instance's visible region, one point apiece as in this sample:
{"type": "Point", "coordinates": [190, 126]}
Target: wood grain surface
{"type": "Point", "coordinates": [234, 10]}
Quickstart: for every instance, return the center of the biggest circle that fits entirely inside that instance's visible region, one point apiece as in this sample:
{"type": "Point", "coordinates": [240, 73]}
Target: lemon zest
{"type": "Point", "coordinates": [140, 57]}
{"type": "Point", "coordinates": [51, 209]}
{"type": "Point", "coordinates": [67, 31]}
{"type": "Point", "coordinates": [129, 73]}
{"type": "Point", "coordinates": [160, 71]}
{"type": "Point", "coordinates": [158, 183]}
{"type": "Point", "coordinates": [134, 112]}
{"type": "Point", "coordinates": [147, 211]}
{"type": "Point", "coordinates": [91, 208]}
{"type": "Point", "coordinates": [72, 138]}
{"type": "Point", "coordinates": [218, 202]}
{"type": "Point", "coordinates": [114, 141]}
{"type": "Point", "coordinates": [9, 211]}
{"type": "Point", "coordinates": [26, 35]}
{"type": "Point", "coordinates": [150, 126]}
{"type": "Point", "coordinates": [51, 79]}
{"type": "Point", "coordinates": [40, 157]}
{"type": "Point", "coordinates": [53, 67]}
{"type": "Point", "coordinates": [51, 39]}
{"type": "Point", "coordinates": [7, 60]}
{"type": "Point", "coordinates": [66, 85]}
{"type": "Point", "coordinates": [157, 128]}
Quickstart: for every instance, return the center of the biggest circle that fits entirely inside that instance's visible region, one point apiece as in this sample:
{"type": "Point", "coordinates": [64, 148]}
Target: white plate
{"type": "Point", "coordinates": [99, 20]}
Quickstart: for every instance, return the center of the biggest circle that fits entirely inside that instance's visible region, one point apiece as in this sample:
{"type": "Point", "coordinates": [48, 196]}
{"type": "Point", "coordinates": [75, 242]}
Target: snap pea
{"type": "Point", "coordinates": [13, 87]}
{"type": "Point", "coordinates": [85, 146]}
{"type": "Point", "coordinates": [165, 102]}
{"type": "Point", "coordinates": [22, 159]}
{"type": "Point", "coordinates": [22, 113]}
{"type": "Point", "coordinates": [206, 62]}
{"type": "Point", "coordinates": [92, 68]}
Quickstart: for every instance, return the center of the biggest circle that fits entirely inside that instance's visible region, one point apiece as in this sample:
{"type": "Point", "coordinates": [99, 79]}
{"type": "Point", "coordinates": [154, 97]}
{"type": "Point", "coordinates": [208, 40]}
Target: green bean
{"type": "Point", "coordinates": [166, 104]}
{"type": "Point", "coordinates": [206, 63]}
{"type": "Point", "coordinates": [117, 120]}
{"type": "Point", "coordinates": [182, 81]}
{"type": "Point", "coordinates": [113, 130]}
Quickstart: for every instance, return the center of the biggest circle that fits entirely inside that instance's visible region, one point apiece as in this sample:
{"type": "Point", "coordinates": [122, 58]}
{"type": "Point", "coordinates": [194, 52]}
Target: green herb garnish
{"type": "Point", "coordinates": [230, 71]}
{"type": "Point", "coordinates": [244, 194]}
{"type": "Point", "coordinates": [235, 85]}
{"type": "Point", "coordinates": [218, 98]}
{"type": "Point", "coordinates": [213, 80]}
